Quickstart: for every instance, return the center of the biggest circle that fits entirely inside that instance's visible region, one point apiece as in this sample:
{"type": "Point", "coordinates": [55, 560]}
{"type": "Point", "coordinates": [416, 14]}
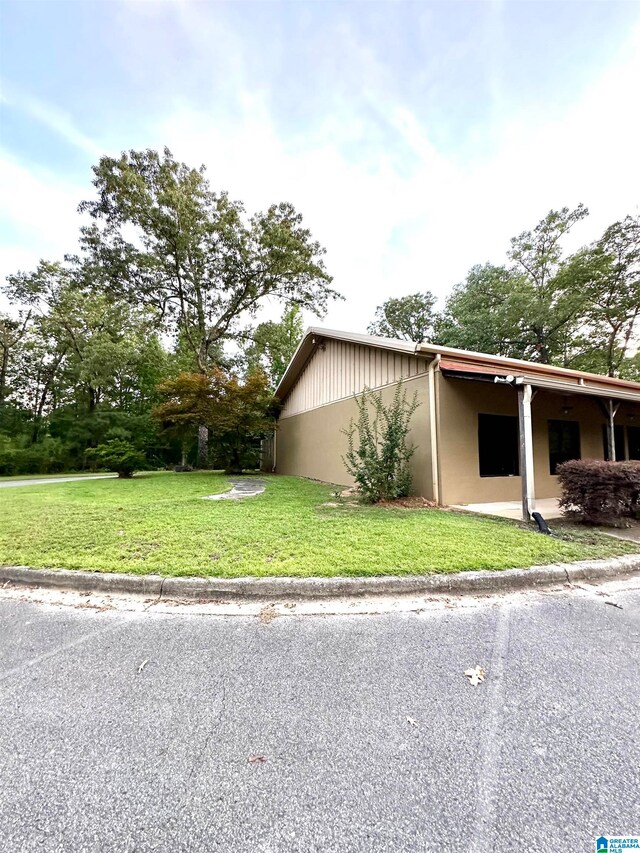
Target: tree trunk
{"type": "Point", "coordinates": [203, 446]}
{"type": "Point", "coordinates": [4, 366]}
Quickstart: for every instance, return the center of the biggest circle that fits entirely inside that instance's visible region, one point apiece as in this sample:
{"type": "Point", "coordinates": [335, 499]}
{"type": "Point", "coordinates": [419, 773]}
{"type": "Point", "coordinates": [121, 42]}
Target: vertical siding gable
{"type": "Point", "coordinates": [343, 369]}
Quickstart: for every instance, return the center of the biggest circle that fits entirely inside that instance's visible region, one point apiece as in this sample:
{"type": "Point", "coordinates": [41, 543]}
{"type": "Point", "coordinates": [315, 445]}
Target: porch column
{"type": "Point", "coordinates": [611, 432]}
{"type": "Point", "coordinates": [525, 395]}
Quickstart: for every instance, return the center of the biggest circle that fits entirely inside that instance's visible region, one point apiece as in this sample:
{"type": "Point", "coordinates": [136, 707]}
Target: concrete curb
{"type": "Point", "coordinates": [207, 589]}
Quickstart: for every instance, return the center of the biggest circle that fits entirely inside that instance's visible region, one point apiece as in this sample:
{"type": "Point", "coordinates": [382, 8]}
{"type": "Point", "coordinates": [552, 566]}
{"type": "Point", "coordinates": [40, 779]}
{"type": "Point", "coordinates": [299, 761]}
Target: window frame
{"type": "Point", "coordinates": [484, 452]}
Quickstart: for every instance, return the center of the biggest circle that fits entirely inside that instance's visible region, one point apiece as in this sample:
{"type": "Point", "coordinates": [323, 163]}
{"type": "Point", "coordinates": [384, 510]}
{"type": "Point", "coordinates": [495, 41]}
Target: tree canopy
{"type": "Point", "coordinates": [171, 278]}
{"type": "Point", "coordinates": [576, 310]}
{"type": "Point", "coordinates": [409, 318]}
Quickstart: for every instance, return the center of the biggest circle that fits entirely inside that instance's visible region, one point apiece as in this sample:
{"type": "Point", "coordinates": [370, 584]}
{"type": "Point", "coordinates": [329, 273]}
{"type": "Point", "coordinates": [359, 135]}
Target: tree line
{"type": "Point", "coordinates": [579, 310]}
{"type": "Point", "coordinates": [146, 343]}
{"type": "Point", "coordinates": [145, 347]}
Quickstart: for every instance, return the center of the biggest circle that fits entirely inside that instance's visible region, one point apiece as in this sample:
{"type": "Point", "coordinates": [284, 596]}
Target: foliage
{"type": "Point", "coordinates": [484, 313]}
{"type": "Point", "coordinates": [197, 258]}
{"type": "Point", "coordinates": [119, 456]}
{"type": "Point", "coordinates": [409, 318]}
{"type": "Point", "coordinates": [380, 462]}
{"type": "Point", "coordinates": [168, 273]}
{"type": "Point", "coordinates": [162, 237]}
{"type": "Point", "coordinates": [274, 344]}
{"type": "Point", "coordinates": [158, 524]}
{"type": "Point", "coordinates": [529, 309]}
{"type": "Point", "coordinates": [47, 457]}
{"type": "Point", "coordinates": [600, 492]}
{"type": "Point", "coordinates": [607, 275]}
{"type": "Point", "coordinates": [238, 414]}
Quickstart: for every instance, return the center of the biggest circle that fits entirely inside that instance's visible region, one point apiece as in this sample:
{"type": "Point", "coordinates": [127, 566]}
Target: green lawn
{"type": "Point", "coordinates": [158, 524]}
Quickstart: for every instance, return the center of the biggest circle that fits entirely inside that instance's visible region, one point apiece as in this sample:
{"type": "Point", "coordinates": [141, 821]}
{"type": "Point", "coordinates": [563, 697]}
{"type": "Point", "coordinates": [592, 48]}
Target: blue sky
{"type": "Point", "coordinates": [415, 138]}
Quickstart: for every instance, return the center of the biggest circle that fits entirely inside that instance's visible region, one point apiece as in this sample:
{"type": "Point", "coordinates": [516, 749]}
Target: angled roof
{"type": "Point", "coordinates": [467, 362]}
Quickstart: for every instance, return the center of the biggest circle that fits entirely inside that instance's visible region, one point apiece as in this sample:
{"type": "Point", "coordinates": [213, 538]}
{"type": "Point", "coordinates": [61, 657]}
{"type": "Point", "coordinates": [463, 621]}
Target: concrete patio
{"type": "Point", "coordinates": [547, 507]}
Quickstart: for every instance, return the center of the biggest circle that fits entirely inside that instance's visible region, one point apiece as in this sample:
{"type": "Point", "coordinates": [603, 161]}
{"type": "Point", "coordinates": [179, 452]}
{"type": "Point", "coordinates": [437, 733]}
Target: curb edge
{"type": "Point", "coordinates": [200, 588]}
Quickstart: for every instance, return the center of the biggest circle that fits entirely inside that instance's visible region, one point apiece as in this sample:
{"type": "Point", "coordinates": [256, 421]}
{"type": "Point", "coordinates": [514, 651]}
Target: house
{"type": "Point", "coordinates": [487, 429]}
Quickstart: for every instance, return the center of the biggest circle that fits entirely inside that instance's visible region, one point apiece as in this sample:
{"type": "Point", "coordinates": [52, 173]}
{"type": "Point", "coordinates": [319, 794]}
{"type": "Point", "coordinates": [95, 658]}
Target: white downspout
{"type": "Point", "coordinates": [433, 431]}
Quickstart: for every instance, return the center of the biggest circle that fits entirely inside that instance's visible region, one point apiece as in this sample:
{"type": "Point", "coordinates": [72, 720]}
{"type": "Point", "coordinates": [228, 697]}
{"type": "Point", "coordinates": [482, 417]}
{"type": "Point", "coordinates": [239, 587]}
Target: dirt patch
{"type": "Point", "coordinates": [409, 503]}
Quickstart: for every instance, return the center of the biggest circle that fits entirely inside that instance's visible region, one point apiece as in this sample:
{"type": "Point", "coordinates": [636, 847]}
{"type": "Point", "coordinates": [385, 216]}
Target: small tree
{"type": "Point", "coordinates": [120, 456]}
{"type": "Point", "coordinates": [380, 462]}
{"type": "Point", "coordinates": [238, 414]}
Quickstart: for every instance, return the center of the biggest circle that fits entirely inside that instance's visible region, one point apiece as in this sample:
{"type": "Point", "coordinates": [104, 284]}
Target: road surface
{"type": "Point", "coordinates": [44, 481]}
{"type": "Point", "coordinates": [144, 731]}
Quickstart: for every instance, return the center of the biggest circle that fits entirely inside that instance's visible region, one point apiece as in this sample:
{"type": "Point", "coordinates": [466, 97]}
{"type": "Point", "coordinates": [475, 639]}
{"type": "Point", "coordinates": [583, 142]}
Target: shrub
{"type": "Point", "coordinates": [600, 492]}
{"type": "Point", "coordinates": [120, 456]}
{"type": "Point", "coordinates": [46, 457]}
{"type": "Point", "coordinates": [380, 462]}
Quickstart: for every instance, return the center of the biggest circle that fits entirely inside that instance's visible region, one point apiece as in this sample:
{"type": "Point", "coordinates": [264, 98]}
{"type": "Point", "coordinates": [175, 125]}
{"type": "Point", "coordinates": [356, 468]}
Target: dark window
{"type": "Point", "coordinates": [498, 446]}
{"type": "Point", "coordinates": [633, 437]}
{"type": "Point", "coordinates": [618, 437]}
{"type": "Point", "coordinates": [564, 442]}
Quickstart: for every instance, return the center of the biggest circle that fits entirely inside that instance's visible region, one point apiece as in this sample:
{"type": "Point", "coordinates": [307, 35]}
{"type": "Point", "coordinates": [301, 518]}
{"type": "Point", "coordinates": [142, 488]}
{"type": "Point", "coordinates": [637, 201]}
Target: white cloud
{"type": "Point", "coordinates": [391, 226]}
{"type": "Point", "coordinates": [391, 230]}
{"type": "Point", "coordinates": [38, 211]}
{"type": "Point", "coordinates": [50, 117]}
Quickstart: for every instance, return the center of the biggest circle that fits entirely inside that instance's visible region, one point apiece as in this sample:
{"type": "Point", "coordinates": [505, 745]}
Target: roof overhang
{"type": "Point", "coordinates": [524, 373]}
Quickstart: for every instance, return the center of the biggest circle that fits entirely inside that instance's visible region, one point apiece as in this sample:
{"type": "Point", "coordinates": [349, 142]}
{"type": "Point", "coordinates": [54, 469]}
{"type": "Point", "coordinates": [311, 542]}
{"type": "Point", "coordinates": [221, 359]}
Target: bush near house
{"type": "Point", "coordinates": [600, 492]}
{"type": "Point", "coordinates": [380, 462]}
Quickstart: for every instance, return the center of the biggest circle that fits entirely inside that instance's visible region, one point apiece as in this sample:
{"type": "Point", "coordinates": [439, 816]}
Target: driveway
{"type": "Point", "coordinates": [141, 731]}
{"type": "Point", "coordinates": [44, 481]}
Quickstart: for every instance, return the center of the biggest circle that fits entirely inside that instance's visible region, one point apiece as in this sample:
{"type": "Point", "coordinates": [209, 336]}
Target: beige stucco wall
{"type": "Point", "coordinates": [311, 444]}
{"type": "Point", "coordinates": [459, 403]}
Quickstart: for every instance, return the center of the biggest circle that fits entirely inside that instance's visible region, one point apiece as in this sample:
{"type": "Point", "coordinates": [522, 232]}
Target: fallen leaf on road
{"type": "Point", "coordinates": [143, 664]}
{"type": "Point", "coordinates": [411, 721]}
{"type": "Point", "coordinates": [256, 759]}
{"type": "Point", "coordinates": [475, 675]}
{"type": "Point", "coordinates": [614, 604]}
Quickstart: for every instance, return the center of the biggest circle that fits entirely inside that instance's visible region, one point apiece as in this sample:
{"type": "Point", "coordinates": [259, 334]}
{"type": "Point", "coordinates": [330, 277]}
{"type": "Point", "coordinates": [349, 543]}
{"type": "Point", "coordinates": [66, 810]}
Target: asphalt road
{"type": "Point", "coordinates": [543, 756]}
{"type": "Point", "coordinates": [45, 481]}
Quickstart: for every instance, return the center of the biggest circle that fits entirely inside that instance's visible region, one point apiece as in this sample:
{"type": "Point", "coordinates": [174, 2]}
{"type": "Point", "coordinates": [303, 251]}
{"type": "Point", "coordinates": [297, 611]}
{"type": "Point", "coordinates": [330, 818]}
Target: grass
{"type": "Point", "coordinates": [159, 524]}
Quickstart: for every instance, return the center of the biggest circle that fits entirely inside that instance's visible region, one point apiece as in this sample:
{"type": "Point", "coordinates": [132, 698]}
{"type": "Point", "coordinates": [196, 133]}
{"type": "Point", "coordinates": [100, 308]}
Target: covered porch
{"type": "Point", "coordinates": [503, 431]}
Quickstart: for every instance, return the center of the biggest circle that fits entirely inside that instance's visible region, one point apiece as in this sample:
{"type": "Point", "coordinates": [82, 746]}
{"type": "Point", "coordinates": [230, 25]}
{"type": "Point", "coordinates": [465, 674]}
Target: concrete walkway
{"type": "Point", "coordinates": [43, 481]}
{"type": "Point", "coordinates": [242, 488]}
{"type": "Point", "coordinates": [547, 507]}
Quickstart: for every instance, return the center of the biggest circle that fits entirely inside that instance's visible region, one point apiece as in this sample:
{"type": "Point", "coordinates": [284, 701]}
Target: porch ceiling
{"type": "Point", "coordinates": [603, 387]}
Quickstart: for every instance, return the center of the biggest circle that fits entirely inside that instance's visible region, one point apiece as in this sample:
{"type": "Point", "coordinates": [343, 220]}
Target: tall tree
{"type": "Point", "coordinates": [274, 344]}
{"type": "Point", "coordinates": [551, 304]}
{"type": "Point", "coordinates": [12, 332]}
{"type": "Point", "coordinates": [607, 275]}
{"type": "Point", "coordinates": [410, 318]}
{"type": "Point", "coordinates": [485, 313]}
{"type": "Point", "coordinates": [162, 236]}
{"type": "Point", "coordinates": [530, 309]}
